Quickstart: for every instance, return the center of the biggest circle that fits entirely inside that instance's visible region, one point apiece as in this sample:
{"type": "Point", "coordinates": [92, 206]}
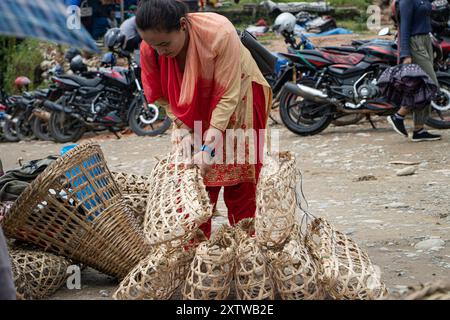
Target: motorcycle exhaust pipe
{"type": "Point", "coordinates": [56, 107]}
{"type": "Point", "coordinates": [308, 93]}
{"type": "Point", "coordinates": [41, 114]}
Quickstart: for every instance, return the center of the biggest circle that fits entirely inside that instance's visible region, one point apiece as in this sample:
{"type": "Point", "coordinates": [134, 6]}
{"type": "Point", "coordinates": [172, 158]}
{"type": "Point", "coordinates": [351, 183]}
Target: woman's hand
{"type": "Point", "coordinates": [186, 147]}
{"type": "Point", "coordinates": [183, 139]}
{"type": "Point", "coordinates": [203, 161]}
{"type": "Point", "coordinates": [407, 60]}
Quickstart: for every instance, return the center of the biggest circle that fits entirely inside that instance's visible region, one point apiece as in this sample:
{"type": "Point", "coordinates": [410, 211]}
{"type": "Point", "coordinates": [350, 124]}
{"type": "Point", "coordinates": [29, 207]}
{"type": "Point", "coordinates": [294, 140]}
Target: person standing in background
{"type": "Point", "coordinates": [415, 47]}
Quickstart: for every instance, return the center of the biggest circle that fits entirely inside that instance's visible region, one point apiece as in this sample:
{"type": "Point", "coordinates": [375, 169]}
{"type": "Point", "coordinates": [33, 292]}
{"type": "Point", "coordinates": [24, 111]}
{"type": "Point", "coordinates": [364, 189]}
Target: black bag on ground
{"type": "Point", "coordinates": [14, 182]}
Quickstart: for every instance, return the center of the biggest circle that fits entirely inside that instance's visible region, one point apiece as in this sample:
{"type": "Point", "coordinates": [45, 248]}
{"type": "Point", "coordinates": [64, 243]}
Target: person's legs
{"type": "Point", "coordinates": [397, 121]}
{"type": "Point", "coordinates": [241, 201]}
{"type": "Point", "coordinates": [213, 196]}
{"type": "Point", "coordinates": [422, 54]}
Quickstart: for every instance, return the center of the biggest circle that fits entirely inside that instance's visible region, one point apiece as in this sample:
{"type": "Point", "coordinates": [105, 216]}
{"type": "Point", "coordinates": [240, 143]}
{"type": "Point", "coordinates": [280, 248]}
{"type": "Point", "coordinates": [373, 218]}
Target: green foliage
{"type": "Point", "coordinates": [20, 60]}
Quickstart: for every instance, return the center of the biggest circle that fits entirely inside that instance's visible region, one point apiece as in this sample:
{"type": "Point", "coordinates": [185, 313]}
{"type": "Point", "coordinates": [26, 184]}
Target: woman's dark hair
{"type": "Point", "coordinates": [161, 15]}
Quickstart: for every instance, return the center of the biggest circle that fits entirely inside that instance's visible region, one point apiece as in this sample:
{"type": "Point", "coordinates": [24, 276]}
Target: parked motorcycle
{"type": "Point", "coordinates": [20, 118]}
{"type": "Point", "coordinates": [334, 85]}
{"type": "Point", "coordinates": [113, 100]}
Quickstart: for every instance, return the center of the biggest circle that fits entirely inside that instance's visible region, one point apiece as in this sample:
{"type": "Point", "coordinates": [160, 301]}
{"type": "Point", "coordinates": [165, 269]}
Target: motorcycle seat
{"type": "Point", "coordinates": [84, 82]}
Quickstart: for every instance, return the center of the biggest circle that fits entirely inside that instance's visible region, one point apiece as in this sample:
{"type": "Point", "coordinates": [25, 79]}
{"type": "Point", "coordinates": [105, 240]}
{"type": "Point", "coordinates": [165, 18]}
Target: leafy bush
{"type": "Point", "coordinates": [21, 60]}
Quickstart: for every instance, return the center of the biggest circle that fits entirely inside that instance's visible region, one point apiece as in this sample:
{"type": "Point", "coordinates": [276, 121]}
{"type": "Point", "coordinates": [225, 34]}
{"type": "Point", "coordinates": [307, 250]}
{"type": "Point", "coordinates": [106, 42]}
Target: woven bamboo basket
{"type": "Point", "coordinates": [135, 192]}
{"type": "Point", "coordinates": [157, 276]}
{"type": "Point", "coordinates": [138, 204]}
{"type": "Point", "coordinates": [252, 275]}
{"type": "Point", "coordinates": [4, 208]}
{"type": "Point", "coordinates": [43, 273]}
{"type": "Point", "coordinates": [23, 291]}
{"type": "Point", "coordinates": [276, 200]}
{"type": "Point", "coordinates": [74, 209]}
{"type": "Point", "coordinates": [345, 270]}
{"type": "Point", "coordinates": [178, 203]}
{"type": "Point", "coordinates": [244, 229]}
{"type": "Point", "coordinates": [439, 290]}
{"type": "Point", "coordinates": [295, 270]}
{"type": "Point", "coordinates": [131, 183]}
{"type": "Point", "coordinates": [211, 272]}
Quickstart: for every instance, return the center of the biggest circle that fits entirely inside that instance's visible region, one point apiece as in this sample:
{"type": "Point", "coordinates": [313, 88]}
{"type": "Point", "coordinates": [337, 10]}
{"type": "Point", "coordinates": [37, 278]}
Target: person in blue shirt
{"type": "Point", "coordinates": [415, 47]}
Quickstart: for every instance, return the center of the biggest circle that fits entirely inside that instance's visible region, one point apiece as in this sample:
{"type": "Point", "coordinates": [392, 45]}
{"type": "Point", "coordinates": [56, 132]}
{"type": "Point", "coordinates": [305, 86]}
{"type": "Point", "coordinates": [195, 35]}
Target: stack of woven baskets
{"type": "Point", "coordinates": [145, 231]}
{"type": "Point", "coordinates": [272, 256]}
{"type": "Point", "coordinates": [73, 211]}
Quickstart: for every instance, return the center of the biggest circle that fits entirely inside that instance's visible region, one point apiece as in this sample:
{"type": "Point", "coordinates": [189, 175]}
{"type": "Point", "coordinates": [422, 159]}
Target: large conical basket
{"type": "Point", "coordinates": [75, 209]}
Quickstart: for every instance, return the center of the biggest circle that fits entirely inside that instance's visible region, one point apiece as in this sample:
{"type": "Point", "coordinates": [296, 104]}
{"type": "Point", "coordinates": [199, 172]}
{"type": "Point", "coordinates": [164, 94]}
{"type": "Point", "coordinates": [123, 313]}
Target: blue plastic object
{"type": "Point", "coordinates": [331, 32]}
{"type": "Point", "coordinates": [65, 149]}
{"type": "Point", "coordinates": [281, 62]}
{"type": "Point", "coordinates": [79, 177]}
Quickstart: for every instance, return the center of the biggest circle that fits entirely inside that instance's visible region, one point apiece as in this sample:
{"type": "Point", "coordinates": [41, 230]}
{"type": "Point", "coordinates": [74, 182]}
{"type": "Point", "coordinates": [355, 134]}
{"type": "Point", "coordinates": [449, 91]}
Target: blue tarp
{"type": "Point", "coordinates": [42, 19]}
{"type": "Point", "coordinates": [331, 32]}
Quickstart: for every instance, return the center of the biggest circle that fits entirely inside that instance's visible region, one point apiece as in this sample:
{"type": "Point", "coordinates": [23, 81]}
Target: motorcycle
{"type": "Point", "coordinates": [21, 114]}
{"type": "Point", "coordinates": [334, 85]}
{"type": "Point", "coordinates": [112, 99]}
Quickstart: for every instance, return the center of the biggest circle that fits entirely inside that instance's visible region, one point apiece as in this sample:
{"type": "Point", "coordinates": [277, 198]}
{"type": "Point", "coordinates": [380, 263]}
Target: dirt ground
{"type": "Point", "coordinates": [349, 178]}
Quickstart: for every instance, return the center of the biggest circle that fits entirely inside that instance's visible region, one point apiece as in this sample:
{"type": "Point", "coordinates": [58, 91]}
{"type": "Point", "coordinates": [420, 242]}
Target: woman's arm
{"type": "Point", "coordinates": [227, 66]}
{"type": "Point", "coordinates": [406, 21]}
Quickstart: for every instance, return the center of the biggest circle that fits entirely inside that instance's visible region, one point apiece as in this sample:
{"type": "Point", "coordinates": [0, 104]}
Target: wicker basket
{"type": "Point", "coordinates": [74, 209]}
{"type": "Point", "coordinates": [23, 291]}
{"type": "Point", "coordinates": [211, 271]}
{"type": "Point", "coordinates": [138, 204]}
{"type": "Point", "coordinates": [177, 204]}
{"type": "Point", "coordinates": [38, 274]}
{"type": "Point", "coordinates": [131, 183]}
{"type": "Point", "coordinates": [295, 270]}
{"type": "Point", "coordinates": [244, 228]}
{"type": "Point", "coordinates": [252, 275]}
{"type": "Point", "coordinates": [345, 270]}
{"type": "Point", "coordinates": [276, 200]}
{"type": "Point", "coordinates": [135, 191]}
{"type": "Point", "coordinates": [157, 276]}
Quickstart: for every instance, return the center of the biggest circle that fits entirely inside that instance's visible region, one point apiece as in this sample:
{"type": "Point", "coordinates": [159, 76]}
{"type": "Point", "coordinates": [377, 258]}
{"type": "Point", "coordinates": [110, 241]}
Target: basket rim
{"type": "Point", "coordinates": [42, 182]}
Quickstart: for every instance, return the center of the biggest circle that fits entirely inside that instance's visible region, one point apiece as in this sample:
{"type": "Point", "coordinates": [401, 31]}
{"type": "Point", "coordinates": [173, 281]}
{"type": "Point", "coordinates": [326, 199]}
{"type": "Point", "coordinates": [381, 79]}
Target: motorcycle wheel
{"type": "Point", "coordinates": [41, 129]}
{"type": "Point", "coordinates": [24, 129]}
{"type": "Point", "coordinates": [299, 121]}
{"type": "Point", "coordinates": [64, 128]}
{"type": "Point", "coordinates": [9, 131]}
{"type": "Point", "coordinates": [440, 110]}
{"type": "Point", "coordinates": [148, 123]}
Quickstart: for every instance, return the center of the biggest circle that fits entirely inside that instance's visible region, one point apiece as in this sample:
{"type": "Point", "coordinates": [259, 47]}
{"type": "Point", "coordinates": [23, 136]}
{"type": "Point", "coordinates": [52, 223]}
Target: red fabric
{"type": "Point", "coordinates": [212, 63]}
{"type": "Point", "coordinates": [240, 199]}
{"type": "Point", "coordinates": [167, 84]}
{"type": "Point", "coordinates": [261, 23]}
